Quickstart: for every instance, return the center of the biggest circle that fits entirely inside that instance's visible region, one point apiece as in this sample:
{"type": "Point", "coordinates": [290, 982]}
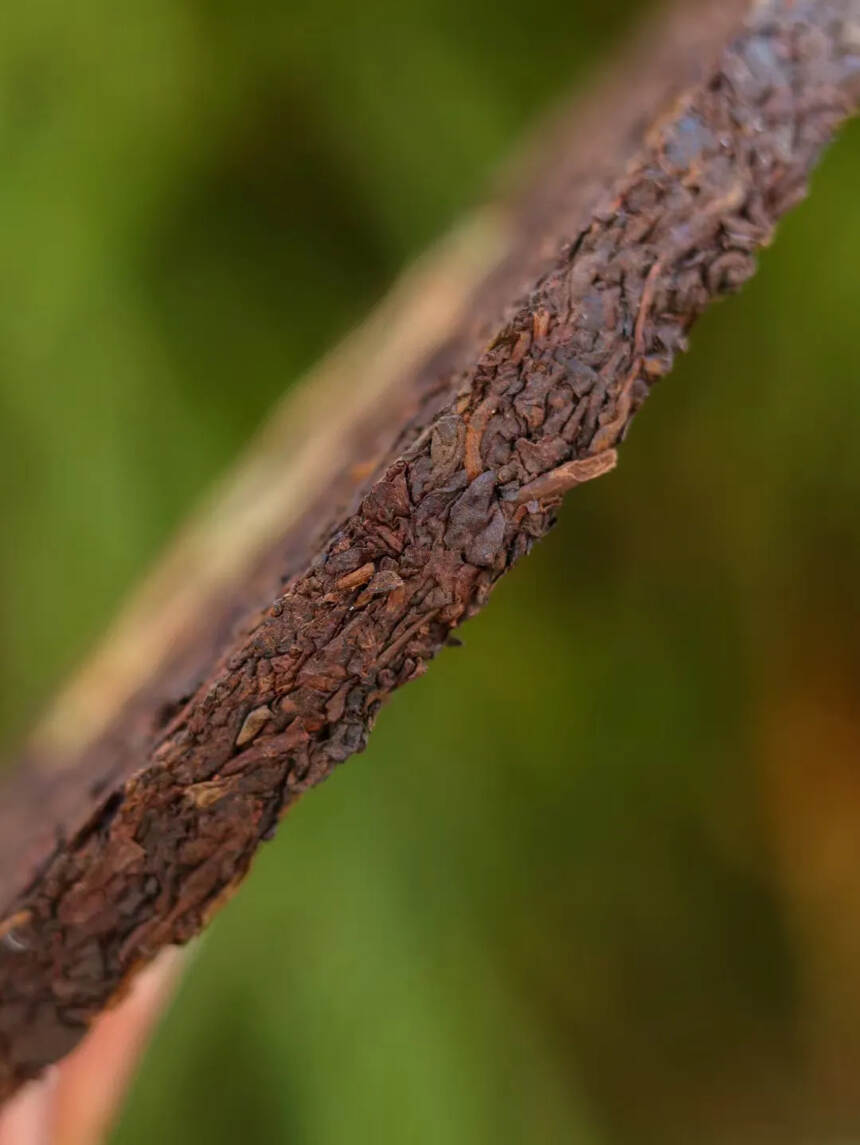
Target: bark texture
{"type": "Point", "coordinates": [503, 374]}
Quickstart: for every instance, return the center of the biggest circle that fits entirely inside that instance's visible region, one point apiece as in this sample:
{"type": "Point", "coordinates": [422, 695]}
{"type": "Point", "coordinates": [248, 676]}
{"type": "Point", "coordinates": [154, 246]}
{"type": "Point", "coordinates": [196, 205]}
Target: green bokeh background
{"type": "Point", "coordinates": [597, 878]}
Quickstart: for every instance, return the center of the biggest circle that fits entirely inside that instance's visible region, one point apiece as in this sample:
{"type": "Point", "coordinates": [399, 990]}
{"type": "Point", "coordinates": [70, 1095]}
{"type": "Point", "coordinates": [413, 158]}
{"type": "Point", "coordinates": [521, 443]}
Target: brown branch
{"type": "Point", "coordinates": [386, 500]}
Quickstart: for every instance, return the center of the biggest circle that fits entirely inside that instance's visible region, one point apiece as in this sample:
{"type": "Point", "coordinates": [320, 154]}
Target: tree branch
{"type": "Point", "coordinates": [387, 498]}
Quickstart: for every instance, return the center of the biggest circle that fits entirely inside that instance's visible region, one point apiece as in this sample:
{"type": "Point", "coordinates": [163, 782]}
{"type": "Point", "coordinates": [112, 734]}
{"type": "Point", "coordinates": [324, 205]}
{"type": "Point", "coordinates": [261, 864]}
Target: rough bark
{"type": "Point", "coordinates": [384, 503]}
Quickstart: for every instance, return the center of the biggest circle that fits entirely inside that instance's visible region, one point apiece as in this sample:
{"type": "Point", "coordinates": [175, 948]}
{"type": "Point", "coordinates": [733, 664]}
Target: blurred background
{"type": "Point", "coordinates": [597, 878]}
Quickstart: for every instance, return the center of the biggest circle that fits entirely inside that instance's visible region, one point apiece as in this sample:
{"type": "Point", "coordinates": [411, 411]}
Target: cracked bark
{"type": "Point", "coordinates": [384, 502]}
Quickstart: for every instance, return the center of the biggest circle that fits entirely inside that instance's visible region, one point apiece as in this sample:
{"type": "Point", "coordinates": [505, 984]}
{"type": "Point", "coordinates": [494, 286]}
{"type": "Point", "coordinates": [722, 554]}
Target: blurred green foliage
{"type": "Point", "coordinates": [597, 878]}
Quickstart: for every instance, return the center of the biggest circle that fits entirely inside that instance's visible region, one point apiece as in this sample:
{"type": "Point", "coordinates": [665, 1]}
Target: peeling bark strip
{"type": "Point", "coordinates": [596, 296]}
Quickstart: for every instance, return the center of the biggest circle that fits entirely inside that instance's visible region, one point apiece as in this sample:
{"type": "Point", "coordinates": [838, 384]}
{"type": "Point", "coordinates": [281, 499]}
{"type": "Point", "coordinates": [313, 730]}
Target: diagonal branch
{"type": "Point", "coordinates": [385, 501]}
